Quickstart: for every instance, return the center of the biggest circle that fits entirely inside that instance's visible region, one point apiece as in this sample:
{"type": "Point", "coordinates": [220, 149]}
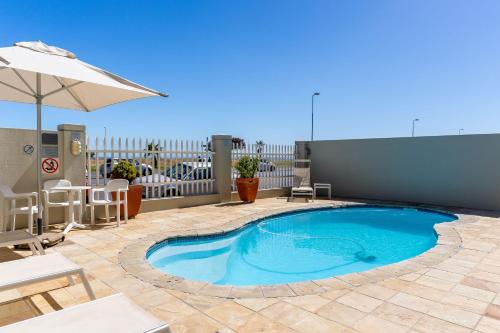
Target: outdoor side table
{"type": "Point", "coordinates": [318, 186]}
{"type": "Point", "coordinates": [71, 191]}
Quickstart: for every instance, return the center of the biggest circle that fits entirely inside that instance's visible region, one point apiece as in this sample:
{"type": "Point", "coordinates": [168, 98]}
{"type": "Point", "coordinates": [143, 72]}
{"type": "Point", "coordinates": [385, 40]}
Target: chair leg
{"type": "Point", "coordinates": [92, 217]}
{"type": "Point", "coordinates": [39, 246]}
{"type": "Point", "coordinates": [46, 217]}
{"type": "Point", "coordinates": [71, 281]}
{"type": "Point", "coordinates": [118, 212]}
{"type": "Point", "coordinates": [13, 221]}
{"type": "Point", "coordinates": [106, 208]}
{"type": "Point", "coordinates": [125, 208]}
{"type": "Point", "coordinates": [30, 222]}
{"type": "Point", "coordinates": [32, 248]}
{"type": "Point", "coordinates": [80, 213]}
{"type": "Point", "coordinates": [86, 284]}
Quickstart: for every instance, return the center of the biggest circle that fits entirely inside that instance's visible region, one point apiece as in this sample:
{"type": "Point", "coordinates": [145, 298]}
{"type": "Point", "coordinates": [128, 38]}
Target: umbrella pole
{"type": "Point", "coordinates": [39, 222]}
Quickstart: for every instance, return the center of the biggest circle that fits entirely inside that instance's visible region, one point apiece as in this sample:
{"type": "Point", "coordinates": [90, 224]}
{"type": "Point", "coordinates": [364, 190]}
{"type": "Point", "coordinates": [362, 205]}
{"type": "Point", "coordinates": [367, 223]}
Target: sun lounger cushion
{"type": "Point", "coordinates": [115, 314]}
{"type": "Point", "coordinates": [31, 269]}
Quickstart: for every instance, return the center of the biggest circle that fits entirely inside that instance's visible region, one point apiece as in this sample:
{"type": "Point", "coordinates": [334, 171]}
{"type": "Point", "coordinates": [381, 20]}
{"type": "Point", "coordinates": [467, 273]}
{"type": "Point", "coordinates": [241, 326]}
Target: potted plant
{"type": "Point", "coordinates": [247, 183]}
{"type": "Point", "coordinates": [126, 170]}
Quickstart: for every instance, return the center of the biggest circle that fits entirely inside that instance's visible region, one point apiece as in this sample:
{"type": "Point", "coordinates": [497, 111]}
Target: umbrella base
{"type": "Point", "coordinates": [47, 239]}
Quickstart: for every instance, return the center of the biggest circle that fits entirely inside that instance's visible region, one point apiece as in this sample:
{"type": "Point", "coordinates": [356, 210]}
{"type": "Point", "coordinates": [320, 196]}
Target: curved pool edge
{"type": "Point", "coordinates": [133, 258]}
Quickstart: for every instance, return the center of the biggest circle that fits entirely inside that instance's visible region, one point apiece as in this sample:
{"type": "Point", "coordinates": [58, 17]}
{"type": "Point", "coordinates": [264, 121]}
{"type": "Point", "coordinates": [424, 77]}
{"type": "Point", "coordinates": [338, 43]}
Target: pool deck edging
{"type": "Point", "coordinates": [133, 259]}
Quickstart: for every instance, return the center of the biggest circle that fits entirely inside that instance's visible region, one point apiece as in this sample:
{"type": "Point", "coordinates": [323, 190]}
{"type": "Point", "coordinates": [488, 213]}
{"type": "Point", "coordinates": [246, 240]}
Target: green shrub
{"type": "Point", "coordinates": [247, 167]}
{"type": "Point", "coordinates": [124, 170]}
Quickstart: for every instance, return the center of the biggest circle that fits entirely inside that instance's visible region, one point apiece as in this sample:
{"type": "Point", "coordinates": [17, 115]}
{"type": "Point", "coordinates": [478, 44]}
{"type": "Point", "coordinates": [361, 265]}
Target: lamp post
{"type": "Point", "coordinates": [460, 131]}
{"type": "Point", "coordinates": [413, 126]}
{"type": "Point", "coordinates": [105, 132]}
{"type": "Point", "coordinates": [312, 114]}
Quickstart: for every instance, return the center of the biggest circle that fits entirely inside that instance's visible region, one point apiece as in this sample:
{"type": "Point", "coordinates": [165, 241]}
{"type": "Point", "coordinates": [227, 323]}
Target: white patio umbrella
{"type": "Point", "coordinates": [33, 72]}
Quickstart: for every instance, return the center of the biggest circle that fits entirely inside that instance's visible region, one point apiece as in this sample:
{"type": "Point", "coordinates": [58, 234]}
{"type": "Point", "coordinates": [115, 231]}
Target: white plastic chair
{"type": "Point", "coordinates": [31, 208]}
{"type": "Point", "coordinates": [48, 191]}
{"type": "Point", "coordinates": [115, 185]}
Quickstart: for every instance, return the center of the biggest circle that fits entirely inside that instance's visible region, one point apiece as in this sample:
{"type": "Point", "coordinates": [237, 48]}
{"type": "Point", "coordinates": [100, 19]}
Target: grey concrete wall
{"type": "Point", "coordinates": [459, 171]}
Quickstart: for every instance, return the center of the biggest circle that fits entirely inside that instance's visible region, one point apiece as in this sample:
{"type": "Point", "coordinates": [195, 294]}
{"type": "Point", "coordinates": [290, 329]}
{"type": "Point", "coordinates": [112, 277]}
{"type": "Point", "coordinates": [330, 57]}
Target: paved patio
{"type": "Point", "coordinates": [454, 287]}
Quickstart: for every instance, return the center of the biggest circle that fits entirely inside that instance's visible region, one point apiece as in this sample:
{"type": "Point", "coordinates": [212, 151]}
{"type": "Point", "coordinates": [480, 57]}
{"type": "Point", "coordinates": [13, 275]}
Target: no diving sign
{"type": "Point", "coordinates": [50, 165]}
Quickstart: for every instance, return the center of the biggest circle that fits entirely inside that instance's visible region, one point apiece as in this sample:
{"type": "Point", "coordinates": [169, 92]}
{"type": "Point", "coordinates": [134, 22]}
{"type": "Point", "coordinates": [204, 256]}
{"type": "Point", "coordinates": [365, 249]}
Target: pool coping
{"type": "Point", "coordinates": [132, 258]}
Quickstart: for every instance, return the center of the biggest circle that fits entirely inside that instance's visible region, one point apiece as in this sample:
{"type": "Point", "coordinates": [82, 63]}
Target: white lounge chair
{"type": "Point", "coordinates": [115, 313]}
{"type": "Point", "coordinates": [48, 191]}
{"type": "Point", "coordinates": [19, 237]}
{"type": "Point", "coordinates": [22, 272]}
{"type": "Point", "coordinates": [302, 178]}
{"type": "Point", "coordinates": [116, 185]}
{"type": "Point", "coordinates": [12, 209]}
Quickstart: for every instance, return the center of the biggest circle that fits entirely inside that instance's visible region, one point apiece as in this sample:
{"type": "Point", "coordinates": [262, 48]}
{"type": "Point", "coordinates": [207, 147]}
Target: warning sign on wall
{"type": "Point", "coordinates": [50, 165]}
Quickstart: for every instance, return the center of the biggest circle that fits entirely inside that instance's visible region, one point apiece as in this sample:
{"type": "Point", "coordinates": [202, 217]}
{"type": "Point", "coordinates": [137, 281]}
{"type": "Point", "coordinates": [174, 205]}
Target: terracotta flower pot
{"type": "Point", "coordinates": [134, 198]}
{"type": "Point", "coordinates": [247, 188]}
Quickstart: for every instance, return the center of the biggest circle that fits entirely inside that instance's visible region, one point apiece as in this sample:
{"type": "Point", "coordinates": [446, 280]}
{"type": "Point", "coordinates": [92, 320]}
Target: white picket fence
{"type": "Point", "coordinates": [275, 167]}
{"type": "Point", "coordinates": [167, 168]}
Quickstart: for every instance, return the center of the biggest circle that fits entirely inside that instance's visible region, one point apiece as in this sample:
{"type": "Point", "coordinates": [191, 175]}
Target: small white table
{"type": "Point", "coordinates": [318, 186]}
{"type": "Point", "coordinates": [71, 191]}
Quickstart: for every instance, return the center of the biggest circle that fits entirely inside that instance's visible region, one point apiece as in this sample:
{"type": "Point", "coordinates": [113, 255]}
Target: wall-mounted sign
{"type": "Point", "coordinates": [28, 149]}
{"type": "Point", "coordinates": [50, 165]}
{"type": "Point", "coordinates": [50, 145]}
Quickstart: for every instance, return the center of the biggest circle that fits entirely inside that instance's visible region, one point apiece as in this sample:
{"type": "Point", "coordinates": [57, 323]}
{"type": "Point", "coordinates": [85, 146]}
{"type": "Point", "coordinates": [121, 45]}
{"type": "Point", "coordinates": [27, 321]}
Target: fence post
{"type": "Point", "coordinates": [302, 150]}
{"type": "Point", "coordinates": [221, 164]}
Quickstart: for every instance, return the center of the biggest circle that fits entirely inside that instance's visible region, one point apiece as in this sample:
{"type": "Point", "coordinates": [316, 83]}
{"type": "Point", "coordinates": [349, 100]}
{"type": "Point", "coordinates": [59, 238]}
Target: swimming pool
{"type": "Point", "coordinates": [298, 246]}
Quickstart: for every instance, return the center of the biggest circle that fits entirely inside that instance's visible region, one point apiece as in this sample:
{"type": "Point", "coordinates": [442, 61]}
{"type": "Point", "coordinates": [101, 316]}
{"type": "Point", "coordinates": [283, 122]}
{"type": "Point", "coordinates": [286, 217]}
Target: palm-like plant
{"type": "Point", "coordinates": [153, 151]}
{"type": "Point", "coordinates": [260, 145]}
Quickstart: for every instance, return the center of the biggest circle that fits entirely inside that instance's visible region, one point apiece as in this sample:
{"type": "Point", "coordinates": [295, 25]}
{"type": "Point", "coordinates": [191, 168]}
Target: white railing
{"type": "Point", "coordinates": [275, 167]}
{"type": "Point", "coordinates": [167, 168]}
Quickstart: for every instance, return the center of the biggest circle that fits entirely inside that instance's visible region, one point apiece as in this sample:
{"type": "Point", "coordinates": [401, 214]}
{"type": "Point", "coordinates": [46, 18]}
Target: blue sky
{"type": "Point", "coordinates": [248, 68]}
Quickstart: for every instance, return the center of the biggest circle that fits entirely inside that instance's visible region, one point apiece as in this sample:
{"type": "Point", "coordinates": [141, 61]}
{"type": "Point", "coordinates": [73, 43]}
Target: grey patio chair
{"type": "Point", "coordinates": [302, 178]}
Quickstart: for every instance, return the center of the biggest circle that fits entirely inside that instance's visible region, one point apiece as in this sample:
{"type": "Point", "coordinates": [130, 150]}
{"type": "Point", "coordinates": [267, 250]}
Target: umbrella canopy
{"type": "Point", "coordinates": [33, 72]}
{"type": "Point", "coordinates": [66, 82]}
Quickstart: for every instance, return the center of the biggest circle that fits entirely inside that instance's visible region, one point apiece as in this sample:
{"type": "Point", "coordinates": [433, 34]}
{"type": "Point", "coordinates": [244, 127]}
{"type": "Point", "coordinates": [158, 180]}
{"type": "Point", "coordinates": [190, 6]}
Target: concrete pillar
{"type": "Point", "coordinates": [72, 166]}
{"type": "Point", "coordinates": [221, 165]}
{"type": "Point", "coordinates": [302, 150]}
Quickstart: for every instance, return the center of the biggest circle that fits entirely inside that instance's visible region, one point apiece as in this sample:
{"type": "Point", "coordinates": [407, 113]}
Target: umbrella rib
{"type": "Point", "coordinates": [24, 81]}
{"type": "Point", "coordinates": [75, 97]}
{"type": "Point", "coordinates": [62, 88]}
{"type": "Point", "coordinates": [16, 88]}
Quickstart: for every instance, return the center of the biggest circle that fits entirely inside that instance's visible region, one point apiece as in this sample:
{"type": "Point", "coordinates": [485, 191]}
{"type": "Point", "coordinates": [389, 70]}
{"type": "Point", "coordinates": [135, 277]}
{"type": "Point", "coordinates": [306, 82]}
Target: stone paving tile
{"type": "Point", "coordinates": [317, 324]}
{"type": "Point", "coordinates": [230, 314]}
{"type": "Point", "coordinates": [453, 287]}
{"type": "Point", "coordinates": [465, 303]}
{"type": "Point", "coordinates": [341, 313]}
{"type": "Point", "coordinates": [455, 315]}
{"type": "Point", "coordinates": [397, 314]}
{"type": "Point", "coordinates": [428, 324]}
{"type": "Point", "coordinates": [423, 291]}
{"type": "Point", "coordinates": [256, 304]}
{"type": "Point", "coordinates": [307, 302]}
{"type": "Point", "coordinates": [285, 313]}
{"type": "Point", "coordinates": [373, 324]}
{"type": "Point", "coordinates": [376, 291]}
{"type": "Point", "coordinates": [488, 325]}
{"type": "Point", "coordinates": [359, 301]}
{"type": "Point", "coordinates": [475, 293]}
{"type": "Point", "coordinates": [413, 302]}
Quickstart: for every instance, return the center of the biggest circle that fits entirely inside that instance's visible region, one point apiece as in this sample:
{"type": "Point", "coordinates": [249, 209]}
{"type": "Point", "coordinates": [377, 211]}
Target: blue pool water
{"type": "Point", "coordinates": [300, 246]}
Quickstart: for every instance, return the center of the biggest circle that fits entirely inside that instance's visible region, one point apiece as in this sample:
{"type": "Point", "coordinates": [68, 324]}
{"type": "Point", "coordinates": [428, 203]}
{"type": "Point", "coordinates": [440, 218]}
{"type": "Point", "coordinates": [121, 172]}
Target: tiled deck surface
{"type": "Point", "coordinates": [453, 288]}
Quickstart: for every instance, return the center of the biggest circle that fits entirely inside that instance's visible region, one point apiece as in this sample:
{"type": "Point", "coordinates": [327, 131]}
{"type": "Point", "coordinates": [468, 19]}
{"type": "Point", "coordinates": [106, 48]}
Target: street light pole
{"type": "Point", "coordinates": [312, 114]}
{"type": "Point", "coordinates": [413, 126]}
{"type": "Point", "coordinates": [104, 131]}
